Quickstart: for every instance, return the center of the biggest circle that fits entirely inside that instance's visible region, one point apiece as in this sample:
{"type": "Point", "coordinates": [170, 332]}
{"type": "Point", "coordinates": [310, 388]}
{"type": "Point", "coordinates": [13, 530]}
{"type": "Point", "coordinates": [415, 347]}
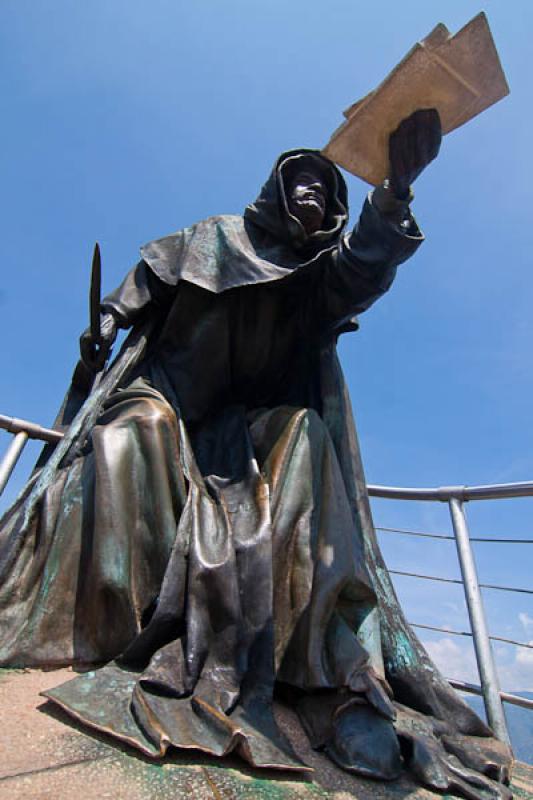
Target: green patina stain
{"type": "Point", "coordinates": [262, 788]}
{"type": "Point", "coordinates": [8, 672]}
{"type": "Point", "coordinates": [165, 781]}
{"type": "Point", "coordinates": [207, 779]}
{"type": "Point", "coordinates": [517, 792]}
{"type": "Point", "coordinates": [404, 655]}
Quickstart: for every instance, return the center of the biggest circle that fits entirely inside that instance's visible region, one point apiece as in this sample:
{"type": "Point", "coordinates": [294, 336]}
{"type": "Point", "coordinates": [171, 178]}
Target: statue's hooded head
{"type": "Point", "coordinates": [303, 203]}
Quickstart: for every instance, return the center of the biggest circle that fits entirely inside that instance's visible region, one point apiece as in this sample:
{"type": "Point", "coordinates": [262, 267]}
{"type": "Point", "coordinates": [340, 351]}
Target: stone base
{"type": "Point", "coordinates": [45, 755]}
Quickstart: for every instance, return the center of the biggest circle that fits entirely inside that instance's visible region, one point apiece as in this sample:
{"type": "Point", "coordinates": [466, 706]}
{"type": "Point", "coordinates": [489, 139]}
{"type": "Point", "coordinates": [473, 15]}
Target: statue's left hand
{"type": "Point", "coordinates": [412, 146]}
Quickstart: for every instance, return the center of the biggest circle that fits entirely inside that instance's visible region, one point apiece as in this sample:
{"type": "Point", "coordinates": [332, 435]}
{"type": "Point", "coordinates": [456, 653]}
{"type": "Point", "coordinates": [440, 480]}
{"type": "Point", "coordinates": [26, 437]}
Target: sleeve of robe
{"type": "Point", "coordinates": [364, 265]}
{"type": "Point", "coordinates": [139, 289]}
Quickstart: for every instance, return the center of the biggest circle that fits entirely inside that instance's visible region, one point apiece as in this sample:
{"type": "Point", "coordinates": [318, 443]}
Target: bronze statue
{"type": "Point", "coordinates": [206, 530]}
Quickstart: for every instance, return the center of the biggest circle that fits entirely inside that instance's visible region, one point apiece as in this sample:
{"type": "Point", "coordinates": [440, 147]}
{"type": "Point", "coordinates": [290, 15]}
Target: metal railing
{"type": "Point", "coordinates": [455, 497]}
{"type": "Point", "coordinates": [22, 430]}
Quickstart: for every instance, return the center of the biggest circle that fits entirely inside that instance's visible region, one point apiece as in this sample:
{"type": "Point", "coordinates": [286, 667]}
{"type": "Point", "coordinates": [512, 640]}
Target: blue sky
{"type": "Point", "coordinates": [125, 120]}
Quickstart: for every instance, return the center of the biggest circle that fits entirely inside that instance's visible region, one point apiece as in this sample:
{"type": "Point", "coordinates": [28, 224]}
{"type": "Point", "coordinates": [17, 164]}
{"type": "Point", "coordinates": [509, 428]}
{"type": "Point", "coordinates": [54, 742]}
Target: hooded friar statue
{"type": "Point", "coordinates": [203, 529]}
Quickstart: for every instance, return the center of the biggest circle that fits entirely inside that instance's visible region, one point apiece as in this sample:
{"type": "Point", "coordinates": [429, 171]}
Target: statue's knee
{"type": "Point", "coordinates": [145, 414]}
{"type": "Point", "coordinates": [154, 415]}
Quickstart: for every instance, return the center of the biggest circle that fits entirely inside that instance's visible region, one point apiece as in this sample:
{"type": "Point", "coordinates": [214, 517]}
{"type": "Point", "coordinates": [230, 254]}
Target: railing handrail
{"type": "Point", "coordinates": [31, 429]}
{"type": "Point", "coordinates": [472, 688]}
{"type": "Point", "coordinates": [493, 491]}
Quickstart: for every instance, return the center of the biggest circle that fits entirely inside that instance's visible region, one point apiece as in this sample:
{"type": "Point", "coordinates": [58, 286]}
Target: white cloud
{"type": "Point", "coordinates": [525, 656]}
{"type": "Point", "coordinates": [516, 670]}
{"type": "Point", "coordinates": [455, 660]}
{"type": "Point", "coordinates": [526, 620]}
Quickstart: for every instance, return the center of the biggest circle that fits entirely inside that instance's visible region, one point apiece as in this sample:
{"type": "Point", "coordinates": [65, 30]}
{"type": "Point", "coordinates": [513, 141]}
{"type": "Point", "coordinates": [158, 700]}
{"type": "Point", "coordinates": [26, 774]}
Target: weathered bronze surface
{"type": "Point", "coordinates": [203, 527]}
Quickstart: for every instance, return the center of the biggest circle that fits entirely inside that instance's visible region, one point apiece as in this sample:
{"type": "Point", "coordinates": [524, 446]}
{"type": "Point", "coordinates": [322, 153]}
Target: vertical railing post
{"type": "Point", "coordinates": [485, 661]}
{"type": "Point", "coordinates": [11, 457]}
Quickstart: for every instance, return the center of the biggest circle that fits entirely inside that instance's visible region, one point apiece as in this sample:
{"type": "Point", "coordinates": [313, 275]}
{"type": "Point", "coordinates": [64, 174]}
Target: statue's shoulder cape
{"type": "Point", "coordinates": [227, 252]}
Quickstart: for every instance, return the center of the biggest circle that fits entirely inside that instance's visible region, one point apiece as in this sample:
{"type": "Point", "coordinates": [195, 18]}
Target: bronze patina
{"type": "Point", "coordinates": [203, 529]}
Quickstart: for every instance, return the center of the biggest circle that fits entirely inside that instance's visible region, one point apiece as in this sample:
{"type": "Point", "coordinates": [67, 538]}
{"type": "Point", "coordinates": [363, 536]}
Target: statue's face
{"type": "Point", "coordinates": [306, 198]}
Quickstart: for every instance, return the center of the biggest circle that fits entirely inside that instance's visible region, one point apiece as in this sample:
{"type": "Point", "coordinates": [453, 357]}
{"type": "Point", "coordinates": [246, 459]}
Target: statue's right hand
{"type": "Point", "coordinates": [412, 146]}
{"type": "Point", "coordinates": [95, 354]}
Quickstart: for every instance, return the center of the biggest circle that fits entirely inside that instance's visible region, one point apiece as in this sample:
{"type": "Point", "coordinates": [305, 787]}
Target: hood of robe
{"type": "Point", "coordinates": [271, 211]}
{"type": "Point", "coordinates": [266, 244]}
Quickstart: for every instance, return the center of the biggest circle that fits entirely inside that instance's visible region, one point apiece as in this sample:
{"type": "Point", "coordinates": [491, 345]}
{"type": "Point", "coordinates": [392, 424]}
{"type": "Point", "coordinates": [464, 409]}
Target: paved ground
{"type": "Point", "coordinates": [45, 756]}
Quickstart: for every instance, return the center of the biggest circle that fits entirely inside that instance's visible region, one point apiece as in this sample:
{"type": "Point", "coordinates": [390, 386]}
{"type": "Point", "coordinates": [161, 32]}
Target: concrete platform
{"type": "Point", "coordinates": [44, 755]}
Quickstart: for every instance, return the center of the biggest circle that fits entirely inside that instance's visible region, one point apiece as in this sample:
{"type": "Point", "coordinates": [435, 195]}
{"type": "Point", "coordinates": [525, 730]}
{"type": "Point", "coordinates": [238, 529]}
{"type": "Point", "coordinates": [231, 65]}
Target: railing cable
{"type": "Point", "coordinates": [456, 580]}
{"type": "Point", "coordinates": [426, 535]}
{"type": "Point", "coordinates": [467, 633]}
{"type": "Point", "coordinates": [415, 533]}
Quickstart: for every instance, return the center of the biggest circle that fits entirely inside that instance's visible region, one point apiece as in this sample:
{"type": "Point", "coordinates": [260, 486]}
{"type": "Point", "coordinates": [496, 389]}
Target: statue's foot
{"type": "Point", "coordinates": [364, 742]}
{"type": "Point", "coordinates": [352, 733]}
{"type": "Point", "coordinates": [429, 763]}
